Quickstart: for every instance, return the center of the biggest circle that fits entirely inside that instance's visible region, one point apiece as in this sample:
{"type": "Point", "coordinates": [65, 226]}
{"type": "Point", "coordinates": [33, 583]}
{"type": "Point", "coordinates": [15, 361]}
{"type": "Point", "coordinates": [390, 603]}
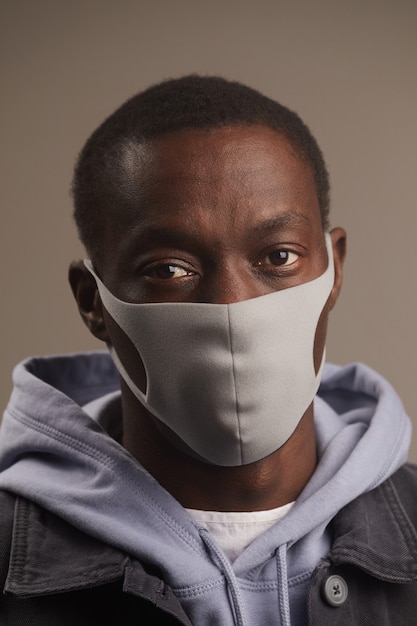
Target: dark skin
{"type": "Point", "coordinates": [214, 216]}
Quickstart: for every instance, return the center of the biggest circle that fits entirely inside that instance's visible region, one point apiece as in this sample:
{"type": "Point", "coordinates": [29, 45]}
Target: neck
{"type": "Point", "coordinates": [265, 484]}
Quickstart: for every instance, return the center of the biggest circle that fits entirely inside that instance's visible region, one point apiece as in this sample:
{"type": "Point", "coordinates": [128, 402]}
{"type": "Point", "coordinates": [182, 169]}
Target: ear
{"type": "Point", "coordinates": [338, 236]}
{"type": "Point", "coordinates": [86, 294]}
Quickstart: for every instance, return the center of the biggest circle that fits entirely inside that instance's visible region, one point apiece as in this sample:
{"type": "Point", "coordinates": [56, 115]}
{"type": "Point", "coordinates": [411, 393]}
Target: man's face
{"type": "Point", "coordinates": [213, 216]}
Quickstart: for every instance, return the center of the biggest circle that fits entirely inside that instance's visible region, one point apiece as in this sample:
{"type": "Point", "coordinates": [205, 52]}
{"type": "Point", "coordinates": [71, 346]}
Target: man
{"type": "Point", "coordinates": [215, 487]}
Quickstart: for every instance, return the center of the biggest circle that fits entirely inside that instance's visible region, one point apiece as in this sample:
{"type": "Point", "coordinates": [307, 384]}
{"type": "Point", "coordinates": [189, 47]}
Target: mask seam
{"type": "Point", "coordinates": [234, 383]}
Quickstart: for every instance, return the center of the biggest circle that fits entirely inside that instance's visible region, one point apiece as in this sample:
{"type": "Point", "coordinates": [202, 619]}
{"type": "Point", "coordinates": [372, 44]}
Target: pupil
{"type": "Point", "coordinates": [166, 271]}
{"type": "Point", "coordinates": [279, 257]}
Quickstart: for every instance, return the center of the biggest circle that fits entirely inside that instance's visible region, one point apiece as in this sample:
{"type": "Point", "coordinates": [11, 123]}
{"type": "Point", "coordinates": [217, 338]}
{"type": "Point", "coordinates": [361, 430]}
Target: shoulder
{"type": "Point", "coordinates": [390, 506]}
{"type": "Point", "coordinates": [405, 477]}
{"type": "Point", "coordinates": [401, 492]}
{"type": "Point", "coordinates": [7, 505]}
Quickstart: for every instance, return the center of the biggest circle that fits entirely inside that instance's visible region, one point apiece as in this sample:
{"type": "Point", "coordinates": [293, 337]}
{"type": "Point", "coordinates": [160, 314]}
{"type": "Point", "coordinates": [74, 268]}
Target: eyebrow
{"type": "Point", "coordinates": [162, 235]}
{"type": "Point", "coordinates": [282, 221]}
{"type": "Point", "coordinates": [166, 236]}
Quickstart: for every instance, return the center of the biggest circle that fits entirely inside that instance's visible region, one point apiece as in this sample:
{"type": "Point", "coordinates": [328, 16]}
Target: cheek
{"type": "Point", "coordinates": [126, 352]}
{"type": "Point", "coordinates": [320, 339]}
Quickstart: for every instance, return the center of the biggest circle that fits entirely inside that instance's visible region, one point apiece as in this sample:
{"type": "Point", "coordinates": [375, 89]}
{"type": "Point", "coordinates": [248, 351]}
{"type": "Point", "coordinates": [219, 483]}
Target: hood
{"type": "Point", "coordinates": [63, 420]}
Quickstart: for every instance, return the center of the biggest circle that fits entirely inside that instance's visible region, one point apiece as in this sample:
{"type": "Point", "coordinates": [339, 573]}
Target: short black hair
{"type": "Point", "coordinates": [192, 101]}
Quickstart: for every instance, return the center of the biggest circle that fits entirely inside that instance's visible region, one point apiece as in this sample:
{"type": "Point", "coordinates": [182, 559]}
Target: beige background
{"type": "Point", "coordinates": [349, 69]}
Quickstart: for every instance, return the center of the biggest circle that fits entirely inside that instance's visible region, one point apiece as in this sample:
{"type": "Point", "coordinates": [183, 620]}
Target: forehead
{"type": "Point", "coordinates": [255, 156]}
{"type": "Point", "coordinates": [223, 178]}
{"type": "Point", "coordinates": [209, 152]}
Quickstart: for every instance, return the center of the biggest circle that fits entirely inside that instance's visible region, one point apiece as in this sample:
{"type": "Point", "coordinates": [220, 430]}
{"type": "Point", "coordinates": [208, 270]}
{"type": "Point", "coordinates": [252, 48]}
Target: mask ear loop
{"type": "Point", "coordinates": [329, 250]}
{"type": "Point", "coordinates": [107, 298]}
{"type": "Point", "coordinates": [132, 386]}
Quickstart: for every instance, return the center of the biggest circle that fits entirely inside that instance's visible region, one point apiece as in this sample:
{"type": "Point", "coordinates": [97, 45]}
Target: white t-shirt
{"type": "Point", "coordinates": [234, 531]}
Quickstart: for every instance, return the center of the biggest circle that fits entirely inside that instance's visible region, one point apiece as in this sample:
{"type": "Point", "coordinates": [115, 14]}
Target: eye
{"type": "Point", "coordinates": [169, 271]}
{"type": "Point", "coordinates": [278, 258]}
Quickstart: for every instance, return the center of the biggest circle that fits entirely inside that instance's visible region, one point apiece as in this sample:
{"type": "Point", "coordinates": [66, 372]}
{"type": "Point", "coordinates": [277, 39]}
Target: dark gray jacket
{"type": "Point", "coordinates": [54, 575]}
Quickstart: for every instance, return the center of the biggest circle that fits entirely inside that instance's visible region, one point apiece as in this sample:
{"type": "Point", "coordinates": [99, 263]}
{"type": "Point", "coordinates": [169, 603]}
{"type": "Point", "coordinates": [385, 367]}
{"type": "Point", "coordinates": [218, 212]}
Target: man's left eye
{"type": "Point", "coordinates": [280, 257]}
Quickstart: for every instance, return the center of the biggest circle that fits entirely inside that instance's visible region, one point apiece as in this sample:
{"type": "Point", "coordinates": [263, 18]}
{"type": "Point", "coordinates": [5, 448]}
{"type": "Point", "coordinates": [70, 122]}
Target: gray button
{"type": "Point", "coordinates": [335, 590]}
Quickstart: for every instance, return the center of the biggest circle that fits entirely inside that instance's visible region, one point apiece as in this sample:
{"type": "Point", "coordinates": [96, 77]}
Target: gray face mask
{"type": "Point", "coordinates": [232, 381]}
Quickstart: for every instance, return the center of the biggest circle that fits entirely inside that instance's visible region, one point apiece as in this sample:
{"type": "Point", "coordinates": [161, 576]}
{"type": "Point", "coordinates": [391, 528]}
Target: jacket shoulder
{"type": "Point", "coordinates": [7, 505]}
{"type": "Point", "coordinates": [406, 476]}
{"type": "Point", "coordinates": [404, 483]}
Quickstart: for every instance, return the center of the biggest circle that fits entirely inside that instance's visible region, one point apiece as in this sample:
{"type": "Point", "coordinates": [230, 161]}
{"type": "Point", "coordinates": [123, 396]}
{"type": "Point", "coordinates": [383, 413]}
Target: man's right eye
{"type": "Point", "coordinates": [168, 271]}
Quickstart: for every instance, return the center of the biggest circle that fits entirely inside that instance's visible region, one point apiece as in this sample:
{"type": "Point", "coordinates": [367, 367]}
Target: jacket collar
{"type": "Point", "coordinates": [375, 532]}
{"type": "Point", "coordinates": [49, 556]}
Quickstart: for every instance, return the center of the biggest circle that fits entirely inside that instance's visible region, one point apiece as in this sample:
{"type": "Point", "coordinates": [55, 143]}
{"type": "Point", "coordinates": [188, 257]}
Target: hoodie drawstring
{"type": "Point", "coordinates": [283, 598]}
{"type": "Point", "coordinates": [231, 580]}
